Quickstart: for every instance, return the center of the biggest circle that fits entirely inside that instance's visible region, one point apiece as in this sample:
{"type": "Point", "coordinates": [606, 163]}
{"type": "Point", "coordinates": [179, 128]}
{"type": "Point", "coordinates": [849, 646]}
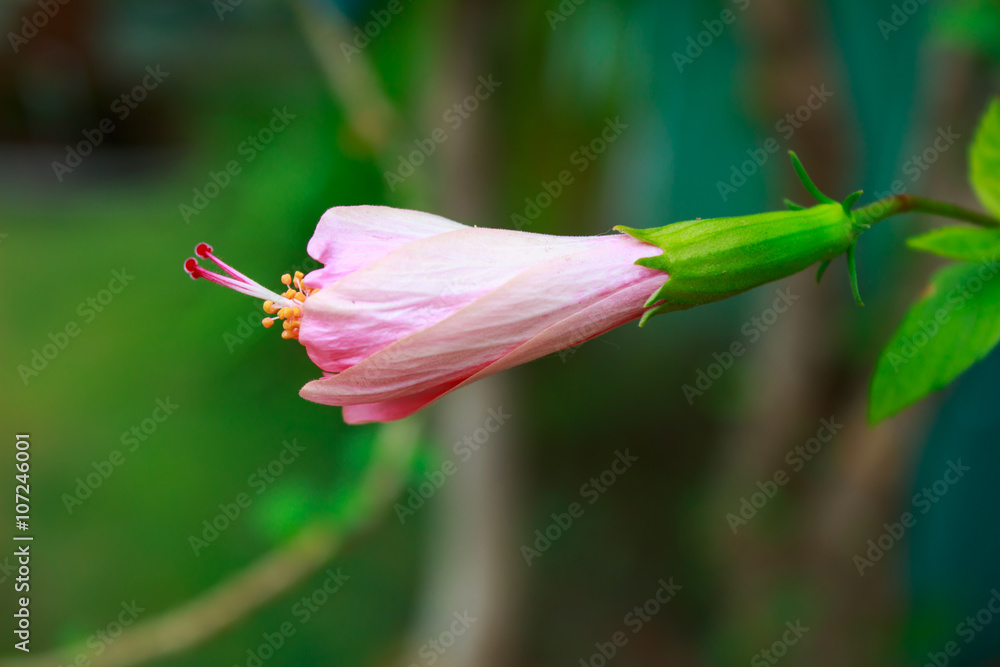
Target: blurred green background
{"type": "Point", "coordinates": [701, 87]}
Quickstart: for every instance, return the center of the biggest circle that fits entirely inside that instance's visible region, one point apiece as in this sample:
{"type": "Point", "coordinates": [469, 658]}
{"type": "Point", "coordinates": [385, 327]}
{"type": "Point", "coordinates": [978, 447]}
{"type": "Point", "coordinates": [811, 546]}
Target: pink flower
{"type": "Point", "coordinates": [410, 306]}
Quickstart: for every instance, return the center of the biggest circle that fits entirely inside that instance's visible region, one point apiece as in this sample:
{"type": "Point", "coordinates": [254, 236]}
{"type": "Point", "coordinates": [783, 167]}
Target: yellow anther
{"type": "Point", "coordinates": [289, 315]}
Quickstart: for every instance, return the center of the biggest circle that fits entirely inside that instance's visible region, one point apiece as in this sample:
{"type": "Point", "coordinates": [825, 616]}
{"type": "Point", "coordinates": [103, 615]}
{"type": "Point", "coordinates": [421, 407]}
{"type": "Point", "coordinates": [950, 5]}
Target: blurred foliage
{"type": "Point", "coordinates": [166, 337]}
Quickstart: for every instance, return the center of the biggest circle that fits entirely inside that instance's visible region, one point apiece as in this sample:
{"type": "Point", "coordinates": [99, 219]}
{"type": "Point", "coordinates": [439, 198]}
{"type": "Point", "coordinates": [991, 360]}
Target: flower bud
{"type": "Point", "coordinates": [710, 260]}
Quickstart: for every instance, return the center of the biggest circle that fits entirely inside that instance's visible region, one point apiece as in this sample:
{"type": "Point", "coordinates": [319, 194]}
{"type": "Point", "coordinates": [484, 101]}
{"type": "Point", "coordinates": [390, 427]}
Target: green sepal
{"type": "Point", "coordinates": [710, 260]}
{"type": "Point", "coordinates": [851, 200]}
{"type": "Point", "coordinates": [660, 309]}
{"type": "Point", "coordinates": [823, 266]}
{"type": "Point", "coordinates": [808, 182]}
{"type": "Point", "coordinates": [852, 270]}
{"type": "Point", "coordinates": [714, 259]}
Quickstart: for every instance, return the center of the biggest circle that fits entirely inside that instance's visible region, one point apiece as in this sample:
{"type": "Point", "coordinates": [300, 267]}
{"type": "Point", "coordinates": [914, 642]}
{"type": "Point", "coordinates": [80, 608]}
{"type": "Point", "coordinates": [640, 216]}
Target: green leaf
{"type": "Point", "coordinates": [985, 159]}
{"type": "Point", "coordinates": [955, 324]}
{"type": "Point", "coordinates": [966, 244]}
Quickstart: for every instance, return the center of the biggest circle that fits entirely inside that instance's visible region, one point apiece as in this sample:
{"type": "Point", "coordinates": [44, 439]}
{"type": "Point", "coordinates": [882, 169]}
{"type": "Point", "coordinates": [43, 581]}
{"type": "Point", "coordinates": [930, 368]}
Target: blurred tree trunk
{"type": "Point", "coordinates": [473, 560]}
{"type": "Point", "coordinates": [795, 372]}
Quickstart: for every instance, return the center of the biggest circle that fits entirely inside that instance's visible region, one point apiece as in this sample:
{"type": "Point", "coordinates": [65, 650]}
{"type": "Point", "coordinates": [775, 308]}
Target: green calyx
{"type": "Point", "coordinates": [714, 259]}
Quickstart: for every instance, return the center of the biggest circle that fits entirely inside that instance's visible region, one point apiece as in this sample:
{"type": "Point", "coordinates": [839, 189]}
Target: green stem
{"type": "Point", "coordinates": [890, 206]}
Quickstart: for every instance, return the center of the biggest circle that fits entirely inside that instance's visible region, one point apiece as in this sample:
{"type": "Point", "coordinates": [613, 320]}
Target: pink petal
{"type": "Point", "coordinates": [589, 323]}
{"type": "Point", "coordinates": [499, 322]}
{"type": "Point", "coordinates": [349, 238]}
{"type": "Point", "coordinates": [599, 318]}
{"type": "Point", "coordinates": [419, 285]}
{"type": "Point", "coordinates": [388, 411]}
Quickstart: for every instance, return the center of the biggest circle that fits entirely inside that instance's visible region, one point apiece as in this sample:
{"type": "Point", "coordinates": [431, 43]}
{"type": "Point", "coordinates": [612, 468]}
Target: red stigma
{"type": "Point", "coordinates": [286, 307]}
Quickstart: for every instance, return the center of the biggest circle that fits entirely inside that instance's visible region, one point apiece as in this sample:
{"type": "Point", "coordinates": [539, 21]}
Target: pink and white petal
{"type": "Point", "coordinates": [585, 325]}
{"type": "Point", "coordinates": [349, 238]}
{"type": "Point", "coordinates": [388, 411]}
{"type": "Point", "coordinates": [421, 284]}
{"type": "Point", "coordinates": [494, 325]}
{"type": "Point", "coordinates": [580, 327]}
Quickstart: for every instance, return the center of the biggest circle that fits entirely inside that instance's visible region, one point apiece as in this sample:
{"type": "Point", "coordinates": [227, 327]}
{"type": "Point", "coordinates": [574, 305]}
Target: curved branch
{"type": "Point", "coordinates": [890, 206]}
{"type": "Point", "coordinates": [196, 621]}
{"type": "Point", "coordinates": [351, 78]}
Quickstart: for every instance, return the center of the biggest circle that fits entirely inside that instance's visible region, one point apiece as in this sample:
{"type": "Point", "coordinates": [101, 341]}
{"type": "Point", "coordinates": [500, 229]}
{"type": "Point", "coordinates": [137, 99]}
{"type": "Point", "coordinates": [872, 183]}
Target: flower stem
{"type": "Point", "coordinates": [890, 206]}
